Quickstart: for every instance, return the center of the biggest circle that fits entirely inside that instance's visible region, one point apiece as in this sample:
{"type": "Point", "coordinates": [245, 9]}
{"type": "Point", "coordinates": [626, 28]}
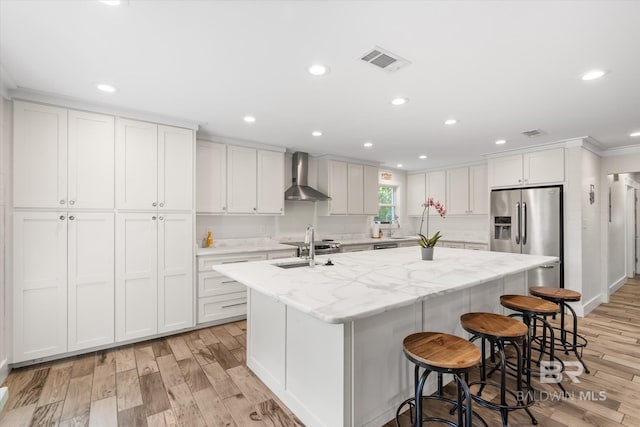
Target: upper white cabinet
{"type": "Point", "coordinates": [436, 188]}
{"type": "Point", "coordinates": [241, 179]}
{"type": "Point", "coordinates": [467, 191]}
{"type": "Point", "coordinates": [154, 166]}
{"type": "Point", "coordinates": [72, 152]}
{"type": "Point", "coordinates": [416, 193]}
{"type": "Point", "coordinates": [211, 177]}
{"type": "Point", "coordinates": [534, 168]}
{"type": "Point", "coordinates": [270, 182]}
{"type": "Point", "coordinates": [353, 188]}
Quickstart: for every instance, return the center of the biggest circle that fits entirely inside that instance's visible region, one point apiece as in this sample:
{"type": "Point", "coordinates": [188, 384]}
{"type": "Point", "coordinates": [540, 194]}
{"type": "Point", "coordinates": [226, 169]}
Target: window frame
{"type": "Point", "coordinates": [393, 205]}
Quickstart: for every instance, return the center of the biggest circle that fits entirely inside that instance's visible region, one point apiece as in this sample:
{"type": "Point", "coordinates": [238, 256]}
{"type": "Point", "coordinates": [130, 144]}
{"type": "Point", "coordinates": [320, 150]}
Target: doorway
{"type": "Point", "coordinates": [631, 232]}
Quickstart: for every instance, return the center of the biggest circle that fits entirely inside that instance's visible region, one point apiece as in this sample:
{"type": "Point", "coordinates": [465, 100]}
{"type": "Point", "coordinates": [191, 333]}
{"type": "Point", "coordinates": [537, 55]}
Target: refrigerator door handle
{"type": "Point", "coordinates": [524, 222]}
{"type": "Point", "coordinates": [518, 223]}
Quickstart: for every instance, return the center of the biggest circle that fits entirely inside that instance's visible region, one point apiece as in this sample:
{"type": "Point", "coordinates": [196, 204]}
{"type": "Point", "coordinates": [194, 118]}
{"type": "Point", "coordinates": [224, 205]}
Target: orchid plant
{"type": "Point", "coordinates": [425, 241]}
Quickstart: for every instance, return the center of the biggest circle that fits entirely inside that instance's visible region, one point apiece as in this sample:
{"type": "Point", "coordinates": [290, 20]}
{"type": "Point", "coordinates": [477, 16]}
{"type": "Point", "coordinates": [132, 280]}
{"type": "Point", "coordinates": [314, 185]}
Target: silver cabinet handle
{"type": "Point", "coordinates": [62, 202]}
{"type": "Point", "coordinates": [72, 202]}
{"type": "Point", "coordinates": [255, 209]}
{"type": "Point", "coordinates": [161, 204]}
{"type": "Point", "coordinates": [62, 217]}
{"type": "Point", "coordinates": [154, 204]}
{"type": "Point", "coordinates": [72, 217]}
{"type": "Point", "coordinates": [154, 217]}
{"type": "Point", "coordinates": [524, 223]}
{"type": "Point", "coordinates": [518, 223]}
{"type": "Point", "coordinates": [160, 218]}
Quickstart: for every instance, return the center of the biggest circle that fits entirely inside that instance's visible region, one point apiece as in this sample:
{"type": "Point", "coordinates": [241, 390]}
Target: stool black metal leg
{"type": "Point", "coordinates": [423, 380]}
{"type": "Point", "coordinates": [440, 384]}
{"type": "Point", "coordinates": [575, 339]}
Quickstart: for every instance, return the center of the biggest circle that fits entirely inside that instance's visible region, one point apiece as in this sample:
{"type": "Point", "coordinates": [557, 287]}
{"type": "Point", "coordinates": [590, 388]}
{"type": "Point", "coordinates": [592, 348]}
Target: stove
{"type": "Point", "coordinates": [322, 247]}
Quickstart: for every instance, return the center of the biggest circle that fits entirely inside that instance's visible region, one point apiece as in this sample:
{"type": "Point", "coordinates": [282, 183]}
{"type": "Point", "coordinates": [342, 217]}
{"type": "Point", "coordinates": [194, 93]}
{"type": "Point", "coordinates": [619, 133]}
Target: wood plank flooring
{"type": "Point", "coordinates": [200, 379]}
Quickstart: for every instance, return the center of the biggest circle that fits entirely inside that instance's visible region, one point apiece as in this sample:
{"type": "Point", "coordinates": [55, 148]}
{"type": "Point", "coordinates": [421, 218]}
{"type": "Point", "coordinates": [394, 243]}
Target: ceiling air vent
{"type": "Point", "coordinates": [385, 60]}
{"type": "Point", "coordinates": [533, 133]}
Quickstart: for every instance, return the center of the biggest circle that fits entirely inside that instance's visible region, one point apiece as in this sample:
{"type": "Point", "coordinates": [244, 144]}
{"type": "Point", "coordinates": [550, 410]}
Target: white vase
{"type": "Point", "coordinates": [427, 253]}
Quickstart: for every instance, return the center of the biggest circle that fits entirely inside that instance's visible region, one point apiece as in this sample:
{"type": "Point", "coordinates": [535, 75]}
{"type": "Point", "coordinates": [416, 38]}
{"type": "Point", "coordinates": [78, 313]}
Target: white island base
{"type": "Point", "coordinates": [354, 373]}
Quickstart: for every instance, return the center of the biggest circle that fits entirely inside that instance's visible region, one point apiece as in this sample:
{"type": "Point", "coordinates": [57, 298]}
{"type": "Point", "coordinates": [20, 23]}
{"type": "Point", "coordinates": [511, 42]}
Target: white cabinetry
{"type": "Point", "coordinates": [241, 179]}
{"type": "Point", "coordinates": [335, 185]}
{"type": "Point", "coordinates": [467, 191]}
{"type": "Point", "coordinates": [436, 188]}
{"type": "Point", "coordinates": [211, 177]}
{"type": "Point", "coordinates": [533, 168]}
{"type": "Point", "coordinates": [356, 248]}
{"type": "Point", "coordinates": [353, 188]}
{"type": "Point", "coordinates": [154, 166]}
{"type": "Point", "coordinates": [72, 152]}
{"type": "Point", "coordinates": [416, 192]}
{"type": "Point", "coordinates": [154, 286]}
{"type": "Point", "coordinates": [63, 282]}
{"type": "Point", "coordinates": [371, 184]}
{"type": "Point", "coordinates": [270, 182]}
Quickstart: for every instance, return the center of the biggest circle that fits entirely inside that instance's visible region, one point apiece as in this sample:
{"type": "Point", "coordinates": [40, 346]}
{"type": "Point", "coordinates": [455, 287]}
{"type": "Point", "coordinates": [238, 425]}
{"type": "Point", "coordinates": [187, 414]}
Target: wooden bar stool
{"type": "Point", "coordinates": [500, 331]}
{"type": "Point", "coordinates": [533, 310]}
{"type": "Point", "coordinates": [443, 354]}
{"type": "Point", "coordinates": [561, 296]}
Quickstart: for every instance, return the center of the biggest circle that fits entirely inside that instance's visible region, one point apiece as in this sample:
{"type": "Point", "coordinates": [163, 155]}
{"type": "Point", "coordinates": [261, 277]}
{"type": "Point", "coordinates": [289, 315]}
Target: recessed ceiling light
{"type": "Point", "coordinates": [501, 141]}
{"type": "Point", "coordinates": [318, 70]}
{"type": "Point", "coordinates": [399, 165]}
{"type": "Point", "coordinates": [450, 122]}
{"type": "Point", "coordinates": [249, 119]}
{"type": "Point", "coordinates": [106, 88]}
{"type": "Point", "coordinates": [399, 101]}
{"type": "Point", "coordinates": [111, 2]}
{"type": "Point", "coordinates": [316, 133]}
{"type": "Point", "coordinates": [368, 144]}
{"type": "Point", "coordinates": [634, 134]}
{"type": "Point", "coordinates": [594, 74]}
{"type": "Point", "coordinates": [422, 157]}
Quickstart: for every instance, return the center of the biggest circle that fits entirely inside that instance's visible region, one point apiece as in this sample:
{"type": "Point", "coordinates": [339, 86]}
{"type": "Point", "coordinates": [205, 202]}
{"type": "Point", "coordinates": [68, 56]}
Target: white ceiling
{"type": "Point", "coordinates": [499, 67]}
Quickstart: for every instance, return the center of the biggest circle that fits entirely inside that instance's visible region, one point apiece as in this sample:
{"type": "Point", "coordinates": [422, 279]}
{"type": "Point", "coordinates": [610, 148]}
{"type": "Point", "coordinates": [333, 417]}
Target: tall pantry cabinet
{"type": "Point", "coordinates": [65, 224]}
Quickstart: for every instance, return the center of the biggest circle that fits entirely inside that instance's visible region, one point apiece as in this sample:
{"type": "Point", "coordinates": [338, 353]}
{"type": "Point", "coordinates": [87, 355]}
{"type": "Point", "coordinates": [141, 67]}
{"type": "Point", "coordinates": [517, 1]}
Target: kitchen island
{"type": "Point", "coordinates": [328, 340]}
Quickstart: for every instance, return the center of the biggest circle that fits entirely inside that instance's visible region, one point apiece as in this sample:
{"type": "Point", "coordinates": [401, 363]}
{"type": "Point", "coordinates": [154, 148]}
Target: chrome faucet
{"type": "Point", "coordinates": [310, 241]}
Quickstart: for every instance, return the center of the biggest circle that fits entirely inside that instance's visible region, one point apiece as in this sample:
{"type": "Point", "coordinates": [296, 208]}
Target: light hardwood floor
{"type": "Point", "coordinates": [200, 379]}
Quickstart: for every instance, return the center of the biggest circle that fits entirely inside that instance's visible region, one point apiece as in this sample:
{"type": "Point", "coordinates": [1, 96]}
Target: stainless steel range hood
{"type": "Point", "coordinates": [300, 190]}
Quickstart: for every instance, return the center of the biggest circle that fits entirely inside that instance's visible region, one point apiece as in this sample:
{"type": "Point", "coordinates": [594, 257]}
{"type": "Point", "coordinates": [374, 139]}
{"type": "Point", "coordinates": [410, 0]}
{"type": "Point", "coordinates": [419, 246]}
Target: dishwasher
{"type": "Point", "coordinates": [389, 245]}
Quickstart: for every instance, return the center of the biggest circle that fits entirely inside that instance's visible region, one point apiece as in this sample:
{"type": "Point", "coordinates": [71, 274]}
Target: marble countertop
{"type": "Point", "coordinates": [361, 284]}
{"type": "Point", "coordinates": [236, 246]}
{"type": "Point", "coordinates": [372, 241]}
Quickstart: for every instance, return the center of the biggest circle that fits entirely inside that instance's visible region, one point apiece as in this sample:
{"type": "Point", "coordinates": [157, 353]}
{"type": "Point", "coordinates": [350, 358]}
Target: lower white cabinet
{"type": "Point", "coordinates": [154, 289]}
{"type": "Point", "coordinates": [63, 282]}
{"type": "Point", "coordinates": [356, 248]}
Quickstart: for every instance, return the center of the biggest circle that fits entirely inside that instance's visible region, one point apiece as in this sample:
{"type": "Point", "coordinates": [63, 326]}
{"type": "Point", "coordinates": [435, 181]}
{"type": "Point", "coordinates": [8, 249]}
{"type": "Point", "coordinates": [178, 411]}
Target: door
{"type": "Point", "coordinates": [542, 232]}
{"type": "Point", "coordinates": [338, 177]}
{"type": "Point", "coordinates": [505, 221]}
{"type": "Point", "coordinates": [211, 177]}
{"type": "Point", "coordinates": [39, 284]}
{"type": "Point", "coordinates": [416, 194]}
{"type": "Point", "coordinates": [371, 185]}
{"type": "Point", "coordinates": [241, 179]}
{"type": "Point", "coordinates": [175, 168]}
{"type": "Point", "coordinates": [478, 190]}
{"type": "Point", "coordinates": [175, 272]}
{"type": "Point", "coordinates": [355, 189]}
{"type": "Point", "coordinates": [136, 165]}
{"type": "Point", "coordinates": [505, 171]}
{"type": "Point", "coordinates": [540, 167]}
{"type": "Point", "coordinates": [436, 188]}
{"type": "Point", "coordinates": [270, 182]}
{"type": "Point", "coordinates": [91, 152]}
{"type": "Point", "coordinates": [458, 191]}
{"type": "Point", "coordinates": [637, 213]}
{"type": "Point", "coordinates": [90, 279]}
{"type": "Point", "coordinates": [136, 275]}
{"type": "Point", "coordinates": [39, 156]}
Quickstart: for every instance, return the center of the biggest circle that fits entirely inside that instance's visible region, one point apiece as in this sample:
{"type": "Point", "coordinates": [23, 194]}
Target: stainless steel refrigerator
{"type": "Point", "coordinates": [529, 221]}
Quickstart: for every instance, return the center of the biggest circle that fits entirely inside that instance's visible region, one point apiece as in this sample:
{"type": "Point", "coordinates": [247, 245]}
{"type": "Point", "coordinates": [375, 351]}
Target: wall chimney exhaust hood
{"type": "Point", "coordinates": [300, 190]}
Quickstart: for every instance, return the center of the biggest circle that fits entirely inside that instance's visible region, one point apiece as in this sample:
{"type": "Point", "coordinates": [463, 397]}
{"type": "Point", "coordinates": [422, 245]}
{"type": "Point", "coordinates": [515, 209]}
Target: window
{"type": "Point", "coordinates": [387, 204]}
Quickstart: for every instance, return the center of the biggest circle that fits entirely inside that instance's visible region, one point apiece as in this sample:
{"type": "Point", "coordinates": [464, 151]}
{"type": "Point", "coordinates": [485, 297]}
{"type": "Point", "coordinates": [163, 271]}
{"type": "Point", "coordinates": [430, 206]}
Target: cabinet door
{"type": "Point", "coordinates": [543, 167]}
{"type": "Point", "coordinates": [175, 272]}
{"type": "Point", "coordinates": [478, 190]}
{"type": "Point", "coordinates": [416, 194]}
{"type": "Point", "coordinates": [136, 165]}
{"type": "Point", "coordinates": [91, 160]}
{"type": "Point", "coordinates": [270, 182]}
{"type": "Point", "coordinates": [39, 156]}
{"type": "Point", "coordinates": [90, 279]}
{"type": "Point", "coordinates": [211, 177]}
{"type": "Point", "coordinates": [241, 180]}
{"type": "Point", "coordinates": [371, 190]}
{"type": "Point", "coordinates": [337, 189]}
{"type": "Point", "coordinates": [355, 189]}
{"type": "Point", "coordinates": [505, 171]}
{"type": "Point", "coordinates": [39, 284]}
{"type": "Point", "coordinates": [436, 188]}
{"type": "Point", "coordinates": [175, 168]}
{"type": "Point", "coordinates": [136, 275]}
{"type": "Point", "coordinates": [458, 191]}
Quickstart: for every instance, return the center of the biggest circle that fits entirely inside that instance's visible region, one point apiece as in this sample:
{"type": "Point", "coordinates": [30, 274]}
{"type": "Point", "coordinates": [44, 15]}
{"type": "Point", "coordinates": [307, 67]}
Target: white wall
{"type": "Point", "coordinates": [591, 263]}
{"type": "Point", "coordinates": [5, 234]}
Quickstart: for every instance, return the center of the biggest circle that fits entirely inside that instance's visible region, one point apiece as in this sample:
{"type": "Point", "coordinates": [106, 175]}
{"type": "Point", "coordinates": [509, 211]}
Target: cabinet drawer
{"type": "Point", "coordinates": [356, 248]}
{"type": "Point", "coordinates": [212, 283]}
{"type": "Point", "coordinates": [455, 245]}
{"type": "Point", "coordinates": [206, 262]}
{"type": "Point", "coordinates": [222, 307]}
{"type": "Point", "coordinates": [476, 246]}
{"type": "Point", "coordinates": [287, 253]}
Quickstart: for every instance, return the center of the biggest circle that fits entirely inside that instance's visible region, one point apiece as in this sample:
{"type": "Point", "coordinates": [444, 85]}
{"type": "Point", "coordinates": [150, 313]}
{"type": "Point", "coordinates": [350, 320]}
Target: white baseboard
{"type": "Point", "coordinates": [617, 284]}
{"type": "Point", "coordinates": [587, 307]}
{"type": "Point", "coordinates": [4, 370]}
{"type": "Point", "coordinates": [4, 396]}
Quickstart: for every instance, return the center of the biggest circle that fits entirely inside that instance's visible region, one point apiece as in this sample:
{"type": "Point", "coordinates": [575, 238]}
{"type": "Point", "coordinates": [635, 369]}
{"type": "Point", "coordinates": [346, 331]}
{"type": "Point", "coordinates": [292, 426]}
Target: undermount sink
{"type": "Point", "coordinates": [296, 264]}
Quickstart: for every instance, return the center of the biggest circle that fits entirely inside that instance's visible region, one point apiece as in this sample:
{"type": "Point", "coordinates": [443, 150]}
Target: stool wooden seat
{"type": "Point", "coordinates": [555, 294]}
{"type": "Point", "coordinates": [494, 325]}
{"type": "Point", "coordinates": [438, 350]}
{"type": "Point", "coordinates": [525, 303]}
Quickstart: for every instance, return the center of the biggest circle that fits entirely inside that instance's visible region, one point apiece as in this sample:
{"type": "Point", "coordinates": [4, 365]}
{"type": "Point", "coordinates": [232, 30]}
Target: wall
{"type": "Point", "coordinates": [5, 234]}
{"type": "Point", "coordinates": [591, 263]}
